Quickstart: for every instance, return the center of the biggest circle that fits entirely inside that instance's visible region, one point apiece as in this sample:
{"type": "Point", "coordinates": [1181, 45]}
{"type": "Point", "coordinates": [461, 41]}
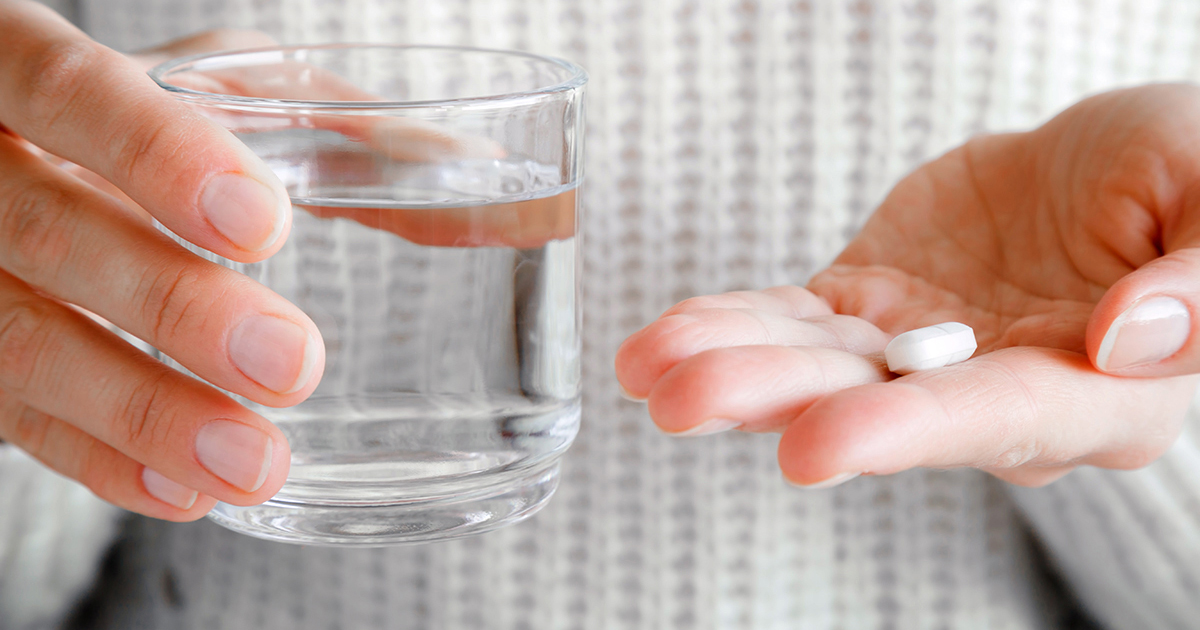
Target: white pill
{"type": "Point", "coordinates": [930, 347]}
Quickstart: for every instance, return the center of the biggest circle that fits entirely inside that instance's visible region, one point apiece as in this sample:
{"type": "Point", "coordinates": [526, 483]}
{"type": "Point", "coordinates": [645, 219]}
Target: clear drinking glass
{"type": "Point", "coordinates": [434, 245]}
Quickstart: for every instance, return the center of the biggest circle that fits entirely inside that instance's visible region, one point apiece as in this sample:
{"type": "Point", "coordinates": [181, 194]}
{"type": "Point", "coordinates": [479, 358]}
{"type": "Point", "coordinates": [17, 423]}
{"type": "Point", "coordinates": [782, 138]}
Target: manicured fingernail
{"type": "Point", "coordinates": [168, 491]}
{"type": "Point", "coordinates": [835, 480]}
{"type": "Point", "coordinates": [235, 452]}
{"type": "Point", "coordinates": [716, 425]}
{"type": "Point", "coordinates": [244, 210]}
{"type": "Point", "coordinates": [274, 353]}
{"type": "Point", "coordinates": [1151, 330]}
{"type": "Point", "coordinates": [630, 397]}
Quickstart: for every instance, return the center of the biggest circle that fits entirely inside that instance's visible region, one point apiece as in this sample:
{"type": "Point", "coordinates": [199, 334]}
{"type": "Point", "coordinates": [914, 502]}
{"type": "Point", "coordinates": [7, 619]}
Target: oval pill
{"type": "Point", "coordinates": [930, 347]}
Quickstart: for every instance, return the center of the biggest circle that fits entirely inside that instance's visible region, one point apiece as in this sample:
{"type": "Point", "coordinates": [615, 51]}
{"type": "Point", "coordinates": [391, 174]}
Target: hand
{"type": "Point", "coordinates": [136, 432]}
{"type": "Point", "coordinates": [397, 139]}
{"type": "Point", "coordinates": [523, 224]}
{"type": "Point", "coordinates": [1072, 252]}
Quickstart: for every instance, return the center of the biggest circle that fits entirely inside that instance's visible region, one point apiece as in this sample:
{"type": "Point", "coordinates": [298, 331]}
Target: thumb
{"type": "Point", "coordinates": [1146, 323]}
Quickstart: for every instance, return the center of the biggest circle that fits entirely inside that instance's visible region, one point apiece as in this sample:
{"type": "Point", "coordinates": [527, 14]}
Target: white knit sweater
{"type": "Point", "coordinates": [732, 144]}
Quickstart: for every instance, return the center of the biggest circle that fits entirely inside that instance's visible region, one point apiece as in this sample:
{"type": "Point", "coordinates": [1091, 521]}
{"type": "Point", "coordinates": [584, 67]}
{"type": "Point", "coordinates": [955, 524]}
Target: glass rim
{"type": "Point", "coordinates": [578, 78]}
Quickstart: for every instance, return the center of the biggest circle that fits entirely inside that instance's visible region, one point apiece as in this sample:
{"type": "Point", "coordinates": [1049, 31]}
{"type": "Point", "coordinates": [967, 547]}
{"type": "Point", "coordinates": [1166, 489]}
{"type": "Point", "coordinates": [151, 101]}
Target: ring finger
{"type": "Point", "coordinates": [105, 471]}
{"type": "Point", "coordinates": [61, 363]}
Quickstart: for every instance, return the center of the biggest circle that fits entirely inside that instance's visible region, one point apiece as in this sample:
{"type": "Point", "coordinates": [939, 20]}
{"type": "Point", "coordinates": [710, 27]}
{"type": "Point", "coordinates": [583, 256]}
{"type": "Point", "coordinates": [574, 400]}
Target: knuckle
{"type": "Point", "coordinates": [24, 341]}
{"type": "Point", "coordinates": [93, 465]}
{"type": "Point", "coordinates": [149, 149]}
{"type": "Point", "coordinates": [56, 76]}
{"type": "Point", "coordinates": [171, 301]}
{"type": "Point", "coordinates": [30, 429]}
{"type": "Point", "coordinates": [37, 228]}
{"type": "Point", "coordinates": [1019, 454]}
{"type": "Point", "coordinates": [145, 414]}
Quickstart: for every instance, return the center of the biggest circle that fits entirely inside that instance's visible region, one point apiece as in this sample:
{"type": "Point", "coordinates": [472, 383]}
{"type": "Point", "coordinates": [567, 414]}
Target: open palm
{"type": "Point", "coordinates": [1039, 241]}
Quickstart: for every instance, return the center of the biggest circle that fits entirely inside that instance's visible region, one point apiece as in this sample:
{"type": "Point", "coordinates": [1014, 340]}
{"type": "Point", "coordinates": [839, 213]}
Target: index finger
{"type": "Point", "coordinates": [88, 104]}
{"type": "Point", "coordinates": [1020, 406]}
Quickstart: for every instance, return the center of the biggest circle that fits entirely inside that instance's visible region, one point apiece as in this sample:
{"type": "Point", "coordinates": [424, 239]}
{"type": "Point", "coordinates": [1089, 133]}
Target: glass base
{"type": "Point", "coordinates": [483, 510]}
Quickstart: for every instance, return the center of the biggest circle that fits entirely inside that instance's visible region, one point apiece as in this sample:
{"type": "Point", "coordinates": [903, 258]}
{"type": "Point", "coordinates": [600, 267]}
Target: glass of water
{"type": "Point", "coordinates": [434, 245]}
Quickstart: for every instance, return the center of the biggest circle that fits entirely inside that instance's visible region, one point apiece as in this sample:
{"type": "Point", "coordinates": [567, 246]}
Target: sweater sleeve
{"type": "Point", "coordinates": [53, 534]}
{"type": "Point", "coordinates": [1128, 542]}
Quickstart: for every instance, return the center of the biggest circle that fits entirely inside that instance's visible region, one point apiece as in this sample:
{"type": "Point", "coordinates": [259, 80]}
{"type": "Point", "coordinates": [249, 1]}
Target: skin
{"type": "Point", "coordinates": [76, 235]}
{"type": "Point", "coordinates": [393, 139]}
{"type": "Point", "coordinates": [91, 150]}
{"type": "Point", "coordinates": [1036, 240]}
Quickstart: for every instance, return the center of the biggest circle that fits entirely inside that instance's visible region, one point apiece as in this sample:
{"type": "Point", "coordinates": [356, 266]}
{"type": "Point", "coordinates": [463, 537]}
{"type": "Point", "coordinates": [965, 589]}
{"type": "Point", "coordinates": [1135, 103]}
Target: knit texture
{"type": "Point", "coordinates": [1129, 542]}
{"type": "Point", "coordinates": [52, 534]}
{"type": "Point", "coordinates": [731, 144]}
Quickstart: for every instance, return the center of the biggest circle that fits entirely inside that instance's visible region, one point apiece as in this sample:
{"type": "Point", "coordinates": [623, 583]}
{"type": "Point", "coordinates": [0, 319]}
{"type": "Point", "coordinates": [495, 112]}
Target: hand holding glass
{"type": "Point", "coordinates": [433, 243]}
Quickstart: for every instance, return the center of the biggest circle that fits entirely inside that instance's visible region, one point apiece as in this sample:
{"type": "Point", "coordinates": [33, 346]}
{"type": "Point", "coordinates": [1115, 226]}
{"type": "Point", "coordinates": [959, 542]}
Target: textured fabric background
{"type": "Point", "coordinates": [52, 534]}
{"type": "Point", "coordinates": [732, 144]}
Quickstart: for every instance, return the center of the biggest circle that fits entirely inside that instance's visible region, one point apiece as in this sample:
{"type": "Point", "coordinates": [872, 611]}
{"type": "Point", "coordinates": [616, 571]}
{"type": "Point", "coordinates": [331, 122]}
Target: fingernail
{"type": "Point", "coordinates": [716, 425]}
{"type": "Point", "coordinates": [627, 396]}
{"type": "Point", "coordinates": [235, 452]}
{"type": "Point", "coordinates": [168, 491]}
{"type": "Point", "coordinates": [274, 353]}
{"type": "Point", "coordinates": [244, 210]}
{"type": "Point", "coordinates": [1151, 330]}
{"type": "Point", "coordinates": [835, 480]}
